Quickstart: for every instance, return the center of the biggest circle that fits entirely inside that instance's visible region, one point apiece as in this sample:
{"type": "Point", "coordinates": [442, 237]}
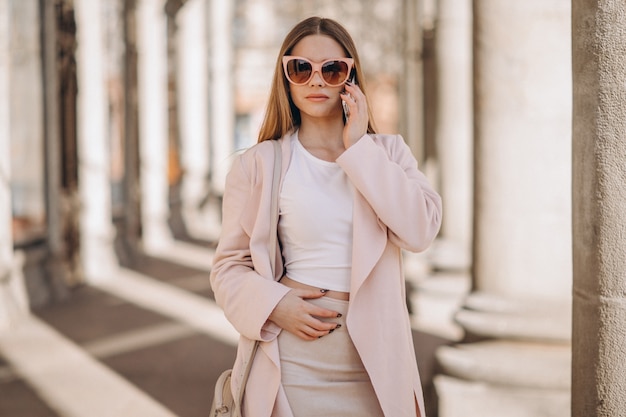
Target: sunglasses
{"type": "Point", "coordinates": [334, 72]}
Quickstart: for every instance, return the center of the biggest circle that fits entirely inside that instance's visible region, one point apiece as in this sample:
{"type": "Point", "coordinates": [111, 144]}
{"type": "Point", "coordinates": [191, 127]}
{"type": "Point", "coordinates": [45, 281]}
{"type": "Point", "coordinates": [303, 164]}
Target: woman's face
{"type": "Point", "coordinates": [315, 98]}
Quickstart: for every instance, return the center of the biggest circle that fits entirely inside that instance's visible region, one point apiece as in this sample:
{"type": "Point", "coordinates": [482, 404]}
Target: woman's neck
{"type": "Point", "coordinates": [322, 139]}
{"type": "Point", "coordinates": [324, 134]}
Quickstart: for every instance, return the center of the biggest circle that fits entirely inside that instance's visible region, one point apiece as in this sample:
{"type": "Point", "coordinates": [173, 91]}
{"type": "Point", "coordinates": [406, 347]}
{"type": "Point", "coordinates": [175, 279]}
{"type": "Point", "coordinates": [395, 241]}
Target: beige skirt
{"type": "Point", "coordinates": [326, 377]}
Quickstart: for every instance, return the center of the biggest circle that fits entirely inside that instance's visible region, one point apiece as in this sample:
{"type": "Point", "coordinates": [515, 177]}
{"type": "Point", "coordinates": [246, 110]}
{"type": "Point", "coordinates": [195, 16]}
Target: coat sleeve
{"type": "Point", "coordinates": [246, 297]}
{"type": "Point", "coordinates": [386, 175]}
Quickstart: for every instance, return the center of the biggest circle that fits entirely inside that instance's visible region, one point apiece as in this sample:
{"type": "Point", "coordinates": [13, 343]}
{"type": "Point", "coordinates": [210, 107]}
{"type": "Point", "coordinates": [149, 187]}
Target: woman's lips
{"type": "Point", "coordinates": [317, 97]}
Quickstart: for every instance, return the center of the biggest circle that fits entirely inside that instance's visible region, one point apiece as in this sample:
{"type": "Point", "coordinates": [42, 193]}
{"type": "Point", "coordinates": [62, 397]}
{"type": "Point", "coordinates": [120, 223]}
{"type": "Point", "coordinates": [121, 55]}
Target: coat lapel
{"type": "Point", "coordinates": [369, 241]}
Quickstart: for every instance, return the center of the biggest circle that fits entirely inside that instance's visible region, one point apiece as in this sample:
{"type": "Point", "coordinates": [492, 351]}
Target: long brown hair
{"type": "Point", "coordinates": [281, 115]}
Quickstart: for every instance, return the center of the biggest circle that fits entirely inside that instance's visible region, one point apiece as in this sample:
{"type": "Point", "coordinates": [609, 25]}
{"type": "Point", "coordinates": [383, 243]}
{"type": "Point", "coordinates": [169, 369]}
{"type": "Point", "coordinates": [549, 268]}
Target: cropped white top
{"type": "Point", "coordinates": [315, 223]}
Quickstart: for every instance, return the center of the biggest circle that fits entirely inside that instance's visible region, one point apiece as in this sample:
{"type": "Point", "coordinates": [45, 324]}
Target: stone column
{"type": "Point", "coordinates": [57, 268]}
{"type": "Point", "coordinates": [97, 230]}
{"type": "Point", "coordinates": [453, 132]}
{"type": "Point", "coordinates": [26, 104]}
{"type": "Point", "coordinates": [522, 263]}
{"type": "Point", "coordinates": [153, 139]}
{"type": "Point", "coordinates": [13, 298]}
{"type": "Point", "coordinates": [599, 209]}
{"type": "Point", "coordinates": [441, 294]}
{"type": "Point", "coordinates": [411, 94]}
{"type": "Point", "coordinates": [193, 101]}
{"type": "Point", "coordinates": [221, 15]}
{"type": "Point", "coordinates": [128, 117]}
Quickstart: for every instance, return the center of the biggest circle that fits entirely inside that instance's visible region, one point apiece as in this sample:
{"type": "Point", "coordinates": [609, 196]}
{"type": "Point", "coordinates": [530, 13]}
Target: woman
{"type": "Point", "coordinates": [332, 321]}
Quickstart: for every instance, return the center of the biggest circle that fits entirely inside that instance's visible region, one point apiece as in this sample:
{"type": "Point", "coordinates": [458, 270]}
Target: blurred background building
{"type": "Point", "coordinates": [118, 122]}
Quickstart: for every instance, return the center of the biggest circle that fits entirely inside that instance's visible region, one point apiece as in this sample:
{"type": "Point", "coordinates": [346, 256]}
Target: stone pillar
{"type": "Point", "coordinates": [522, 264]}
{"type": "Point", "coordinates": [412, 117]}
{"type": "Point", "coordinates": [13, 299]}
{"type": "Point", "coordinates": [128, 117]}
{"type": "Point", "coordinates": [446, 283]}
{"type": "Point", "coordinates": [97, 230]}
{"type": "Point", "coordinates": [221, 16]}
{"type": "Point", "coordinates": [453, 132]}
{"type": "Point", "coordinates": [27, 128]}
{"type": "Point", "coordinates": [152, 42]}
{"type": "Point", "coordinates": [193, 101]}
{"type": "Point", "coordinates": [57, 269]}
{"type": "Point", "coordinates": [153, 107]}
{"type": "Point", "coordinates": [599, 209]}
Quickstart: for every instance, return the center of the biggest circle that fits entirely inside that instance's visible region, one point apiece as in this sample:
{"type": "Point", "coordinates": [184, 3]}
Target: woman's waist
{"type": "Point", "coordinates": [331, 276]}
{"type": "Point", "coordinates": [338, 295]}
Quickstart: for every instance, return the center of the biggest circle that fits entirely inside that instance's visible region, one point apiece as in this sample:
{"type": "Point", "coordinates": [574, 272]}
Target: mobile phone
{"type": "Point", "coordinates": [346, 109]}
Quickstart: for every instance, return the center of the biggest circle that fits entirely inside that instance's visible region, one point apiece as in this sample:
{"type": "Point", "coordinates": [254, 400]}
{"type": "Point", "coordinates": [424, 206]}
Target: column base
{"type": "Point", "coordinates": [488, 315]}
{"type": "Point", "coordinates": [435, 300]}
{"type": "Point", "coordinates": [203, 223]}
{"type": "Point", "coordinates": [98, 258]}
{"type": "Point", "coordinates": [462, 398]}
{"type": "Point", "coordinates": [13, 296]}
{"type": "Point", "coordinates": [521, 368]}
{"type": "Point", "coordinates": [509, 363]}
{"type": "Point", "coordinates": [449, 255]}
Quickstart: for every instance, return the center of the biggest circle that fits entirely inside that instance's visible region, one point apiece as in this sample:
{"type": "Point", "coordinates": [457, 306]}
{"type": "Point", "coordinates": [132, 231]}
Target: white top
{"type": "Point", "coordinates": [315, 223]}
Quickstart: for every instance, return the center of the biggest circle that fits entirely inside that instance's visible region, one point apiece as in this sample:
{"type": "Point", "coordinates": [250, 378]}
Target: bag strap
{"type": "Point", "coordinates": [273, 244]}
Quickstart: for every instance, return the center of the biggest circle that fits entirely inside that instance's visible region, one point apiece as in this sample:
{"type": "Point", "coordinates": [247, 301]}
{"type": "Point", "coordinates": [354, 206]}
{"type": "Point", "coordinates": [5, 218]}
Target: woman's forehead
{"type": "Point", "coordinates": [318, 48]}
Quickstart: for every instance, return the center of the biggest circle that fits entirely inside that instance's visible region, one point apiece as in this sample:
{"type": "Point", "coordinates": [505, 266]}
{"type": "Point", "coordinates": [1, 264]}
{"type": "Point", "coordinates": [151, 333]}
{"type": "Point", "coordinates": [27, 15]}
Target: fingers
{"type": "Point", "coordinates": [322, 312]}
{"type": "Point", "coordinates": [353, 94]}
{"type": "Point", "coordinates": [356, 124]}
{"type": "Point", "coordinates": [301, 318]}
{"type": "Point", "coordinates": [350, 101]}
{"type": "Point", "coordinates": [311, 308]}
{"type": "Point", "coordinates": [313, 327]}
{"type": "Point", "coordinates": [308, 294]}
{"type": "Point", "coordinates": [353, 89]}
{"type": "Point", "coordinates": [311, 333]}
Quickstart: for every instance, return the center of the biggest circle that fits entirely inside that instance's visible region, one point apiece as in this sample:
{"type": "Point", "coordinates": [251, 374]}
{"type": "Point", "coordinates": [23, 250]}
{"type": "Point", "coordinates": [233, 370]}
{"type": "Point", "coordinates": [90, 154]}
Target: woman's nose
{"type": "Point", "coordinates": [316, 79]}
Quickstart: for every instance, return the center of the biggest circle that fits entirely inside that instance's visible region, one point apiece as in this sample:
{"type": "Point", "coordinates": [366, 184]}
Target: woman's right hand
{"type": "Point", "coordinates": [295, 315]}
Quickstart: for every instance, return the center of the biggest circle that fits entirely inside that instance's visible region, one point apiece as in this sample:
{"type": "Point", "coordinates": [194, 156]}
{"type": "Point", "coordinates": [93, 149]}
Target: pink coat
{"type": "Point", "coordinates": [394, 208]}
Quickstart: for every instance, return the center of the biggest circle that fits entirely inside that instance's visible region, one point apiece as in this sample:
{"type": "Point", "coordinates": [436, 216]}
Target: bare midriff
{"type": "Point", "coordinates": [338, 295]}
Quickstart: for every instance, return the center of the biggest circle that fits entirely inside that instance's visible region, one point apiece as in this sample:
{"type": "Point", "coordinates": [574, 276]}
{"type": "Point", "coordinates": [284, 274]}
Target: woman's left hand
{"type": "Point", "coordinates": [356, 124]}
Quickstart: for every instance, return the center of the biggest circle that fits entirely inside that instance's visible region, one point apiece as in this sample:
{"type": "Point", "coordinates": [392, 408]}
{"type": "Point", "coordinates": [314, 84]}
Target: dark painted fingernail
{"type": "Point", "coordinates": [324, 291]}
{"type": "Point", "coordinates": [330, 331]}
{"type": "Point", "coordinates": [339, 315]}
{"type": "Point", "coordinates": [338, 326]}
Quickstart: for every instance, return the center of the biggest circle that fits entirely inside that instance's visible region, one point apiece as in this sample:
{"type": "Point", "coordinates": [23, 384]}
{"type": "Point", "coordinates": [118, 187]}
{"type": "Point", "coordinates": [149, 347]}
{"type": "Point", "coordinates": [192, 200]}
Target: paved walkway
{"type": "Point", "coordinates": [147, 342]}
